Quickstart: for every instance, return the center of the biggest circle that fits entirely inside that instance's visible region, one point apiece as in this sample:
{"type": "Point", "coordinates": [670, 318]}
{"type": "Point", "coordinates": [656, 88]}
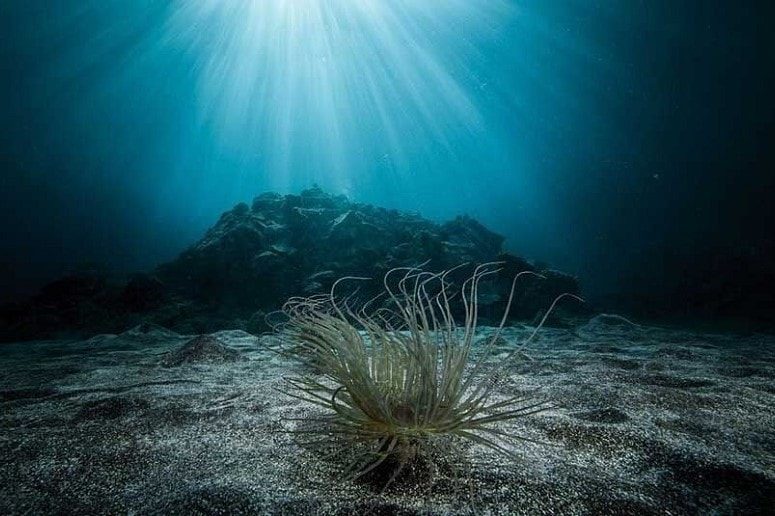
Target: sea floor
{"type": "Point", "coordinates": [647, 421]}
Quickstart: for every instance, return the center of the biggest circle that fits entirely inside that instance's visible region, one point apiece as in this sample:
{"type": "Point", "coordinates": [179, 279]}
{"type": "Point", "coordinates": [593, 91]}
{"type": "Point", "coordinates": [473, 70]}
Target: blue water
{"type": "Point", "coordinates": [596, 136]}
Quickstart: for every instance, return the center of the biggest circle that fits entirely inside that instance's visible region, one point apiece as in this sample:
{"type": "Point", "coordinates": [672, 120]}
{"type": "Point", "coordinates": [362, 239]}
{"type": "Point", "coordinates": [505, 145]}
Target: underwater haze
{"type": "Point", "coordinates": [416, 257]}
{"type": "Point", "coordinates": [622, 142]}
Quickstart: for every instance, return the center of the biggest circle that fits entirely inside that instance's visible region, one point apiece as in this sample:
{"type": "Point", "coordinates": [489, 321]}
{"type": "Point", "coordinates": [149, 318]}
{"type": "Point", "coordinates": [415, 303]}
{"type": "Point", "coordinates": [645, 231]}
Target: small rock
{"type": "Point", "coordinates": [205, 348]}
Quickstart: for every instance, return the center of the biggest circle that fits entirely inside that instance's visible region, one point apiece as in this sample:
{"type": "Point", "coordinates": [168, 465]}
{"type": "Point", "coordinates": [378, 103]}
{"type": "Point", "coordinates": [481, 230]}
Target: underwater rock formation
{"type": "Point", "coordinates": [282, 246]}
{"type": "Point", "coordinates": [255, 257]}
{"type": "Point", "coordinates": [287, 245]}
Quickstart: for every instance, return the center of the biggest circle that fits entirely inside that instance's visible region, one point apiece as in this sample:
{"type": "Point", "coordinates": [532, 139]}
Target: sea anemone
{"type": "Point", "coordinates": [395, 378]}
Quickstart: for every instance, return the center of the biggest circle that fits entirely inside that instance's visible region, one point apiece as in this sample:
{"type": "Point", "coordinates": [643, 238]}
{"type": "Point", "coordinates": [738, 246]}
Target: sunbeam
{"type": "Point", "coordinates": [327, 84]}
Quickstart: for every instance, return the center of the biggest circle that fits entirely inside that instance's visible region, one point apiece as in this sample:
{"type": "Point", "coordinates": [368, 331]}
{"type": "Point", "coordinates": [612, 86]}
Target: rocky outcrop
{"type": "Point", "coordinates": [283, 246]}
{"type": "Point", "coordinates": [255, 257]}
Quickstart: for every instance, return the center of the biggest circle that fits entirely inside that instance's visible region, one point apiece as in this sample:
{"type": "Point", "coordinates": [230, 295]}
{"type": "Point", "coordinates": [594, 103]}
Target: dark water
{"type": "Point", "coordinates": [626, 143]}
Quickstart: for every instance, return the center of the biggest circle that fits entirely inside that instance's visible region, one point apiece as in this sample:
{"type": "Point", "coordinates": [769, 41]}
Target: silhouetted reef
{"type": "Point", "coordinates": [255, 257]}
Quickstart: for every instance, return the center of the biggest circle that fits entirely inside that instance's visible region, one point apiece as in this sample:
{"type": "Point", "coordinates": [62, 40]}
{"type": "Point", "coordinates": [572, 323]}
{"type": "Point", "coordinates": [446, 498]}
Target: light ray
{"type": "Point", "coordinates": [311, 82]}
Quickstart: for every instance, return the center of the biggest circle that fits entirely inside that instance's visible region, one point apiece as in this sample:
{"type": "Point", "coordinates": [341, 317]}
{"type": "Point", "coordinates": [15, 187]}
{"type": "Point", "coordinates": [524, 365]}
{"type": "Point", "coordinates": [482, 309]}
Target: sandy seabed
{"type": "Point", "coordinates": [648, 421]}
